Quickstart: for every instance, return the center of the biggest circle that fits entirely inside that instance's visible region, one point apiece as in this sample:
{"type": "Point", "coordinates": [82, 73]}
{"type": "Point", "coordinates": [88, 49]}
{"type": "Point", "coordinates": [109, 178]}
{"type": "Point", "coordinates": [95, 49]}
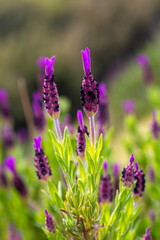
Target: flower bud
{"type": "Point", "coordinates": [49, 222]}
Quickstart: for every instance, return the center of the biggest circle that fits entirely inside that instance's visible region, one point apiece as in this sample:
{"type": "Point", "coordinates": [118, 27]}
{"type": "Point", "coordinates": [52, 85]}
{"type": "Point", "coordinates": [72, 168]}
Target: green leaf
{"type": "Point", "coordinates": [62, 162]}
{"type": "Point", "coordinates": [56, 143]}
{"type": "Point", "coordinates": [98, 169]}
{"type": "Point", "coordinates": [90, 162]}
{"type": "Point", "coordinates": [81, 170]}
{"type": "Point", "coordinates": [99, 148]}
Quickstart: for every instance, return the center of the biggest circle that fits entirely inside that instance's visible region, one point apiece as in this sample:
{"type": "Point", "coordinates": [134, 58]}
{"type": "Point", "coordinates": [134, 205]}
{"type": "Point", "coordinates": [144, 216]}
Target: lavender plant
{"type": "Point", "coordinates": [85, 207]}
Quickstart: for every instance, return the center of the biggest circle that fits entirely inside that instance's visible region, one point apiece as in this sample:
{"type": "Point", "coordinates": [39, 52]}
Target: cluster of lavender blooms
{"type": "Point", "coordinates": [41, 163]}
{"type": "Point", "coordinates": [144, 62]}
{"type": "Point", "coordinates": [14, 234]}
{"type": "Point", "coordinates": [10, 164]}
{"type": "Point", "coordinates": [130, 174]}
{"type": "Point", "coordinates": [38, 112]}
{"type": "Point", "coordinates": [91, 98]}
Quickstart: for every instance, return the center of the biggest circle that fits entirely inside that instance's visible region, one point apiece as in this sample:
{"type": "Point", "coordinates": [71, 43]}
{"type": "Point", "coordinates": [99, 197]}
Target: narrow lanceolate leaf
{"type": "Point", "coordinates": [81, 170]}
{"type": "Point", "coordinates": [99, 148]}
{"type": "Point", "coordinates": [90, 162]}
{"type": "Point", "coordinates": [56, 143]}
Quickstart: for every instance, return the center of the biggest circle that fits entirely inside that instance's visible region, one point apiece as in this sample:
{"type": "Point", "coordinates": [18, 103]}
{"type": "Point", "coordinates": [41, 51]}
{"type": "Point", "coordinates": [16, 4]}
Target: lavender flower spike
{"type": "Point", "coordinates": [89, 88]}
{"type": "Point", "coordinates": [81, 131]}
{"type": "Point", "coordinates": [18, 183]}
{"type": "Point", "coordinates": [115, 170]}
{"type": "Point", "coordinates": [128, 173]}
{"type": "Point", "coordinates": [89, 93]}
{"type": "Point", "coordinates": [105, 187]}
{"type": "Point", "coordinates": [147, 236]}
{"type": "Point", "coordinates": [155, 127]}
{"type": "Point", "coordinates": [4, 104]}
{"type": "Point", "coordinates": [41, 163]}
{"type": "Point", "coordinates": [140, 184]}
{"type": "Point", "coordinates": [143, 61]}
{"type": "Point", "coordinates": [50, 94]}
{"type": "Point", "coordinates": [49, 222]}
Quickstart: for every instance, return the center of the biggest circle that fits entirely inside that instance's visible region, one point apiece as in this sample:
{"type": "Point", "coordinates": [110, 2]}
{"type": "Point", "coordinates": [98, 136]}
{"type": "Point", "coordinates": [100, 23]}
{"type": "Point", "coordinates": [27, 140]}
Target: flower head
{"type": "Point", "coordinates": [50, 93]}
{"type": "Point", "coordinates": [41, 163]}
{"type": "Point", "coordinates": [81, 131]}
{"type": "Point", "coordinates": [147, 236]}
{"type": "Point", "coordinates": [140, 184]}
{"type": "Point", "coordinates": [89, 88]}
{"type": "Point", "coordinates": [144, 62]}
{"type": "Point", "coordinates": [129, 107]}
{"type": "Point", "coordinates": [128, 173]}
{"type": "Point", "coordinates": [105, 186]}
{"type": "Point", "coordinates": [49, 222]}
{"type": "Point", "coordinates": [10, 163]}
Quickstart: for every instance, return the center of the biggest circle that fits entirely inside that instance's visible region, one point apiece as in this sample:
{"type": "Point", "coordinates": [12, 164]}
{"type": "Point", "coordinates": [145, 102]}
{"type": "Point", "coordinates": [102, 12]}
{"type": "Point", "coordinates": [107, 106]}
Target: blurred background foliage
{"type": "Point", "coordinates": [113, 30]}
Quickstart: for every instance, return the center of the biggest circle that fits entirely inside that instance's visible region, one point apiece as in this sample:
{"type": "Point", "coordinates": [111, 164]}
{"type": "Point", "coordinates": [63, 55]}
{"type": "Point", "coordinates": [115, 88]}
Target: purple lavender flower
{"type": "Point", "coordinates": [140, 184]}
{"type": "Point", "coordinates": [89, 88]}
{"type": "Point", "coordinates": [41, 74]}
{"type": "Point", "coordinates": [151, 174]}
{"type": "Point", "coordinates": [155, 127]}
{"type": "Point", "coordinates": [129, 107]}
{"type": "Point", "coordinates": [152, 215]}
{"type": "Point", "coordinates": [41, 163]}
{"type": "Point", "coordinates": [116, 178]}
{"type": "Point", "coordinates": [18, 183]}
{"type": "Point", "coordinates": [105, 187]}
{"type": "Point", "coordinates": [128, 173]}
{"type": "Point", "coordinates": [23, 135]}
{"type": "Point", "coordinates": [50, 93]}
{"type": "Point", "coordinates": [147, 236]}
{"type": "Point", "coordinates": [103, 113]}
{"type": "Point", "coordinates": [143, 61]}
{"type": "Point", "coordinates": [49, 222]}
{"type": "Point", "coordinates": [14, 234]}
{"type": "Point", "coordinates": [81, 140]}
{"type": "Point", "coordinates": [4, 104]}
{"type": "Point", "coordinates": [3, 179]}
{"type": "Point", "coordinates": [7, 137]}
{"type": "Point", "coordinates": [38, 112]}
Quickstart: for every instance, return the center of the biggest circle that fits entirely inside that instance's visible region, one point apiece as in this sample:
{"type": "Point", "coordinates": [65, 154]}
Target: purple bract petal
{"type": "Point", "coordinates": [86, 61]}
{"type": "Point", "coordinates": [41, 62]}
{"type": "Point", "coordinates": [105, 166]}
{"type": "Point", "coordinates": [131, 158]}
{"type": "Point", "coordinates": [80, 118]}
{"type": "Point", "coordinates": [37, 142]}
{"type": "Point", "coordinates": [49, 66]}
{"type": "Point", "coordinates": [129, 106]}
{"type": "Point", "coordinates": [136, 165]}
{"type": "Point", "coordinates": [10, 163]}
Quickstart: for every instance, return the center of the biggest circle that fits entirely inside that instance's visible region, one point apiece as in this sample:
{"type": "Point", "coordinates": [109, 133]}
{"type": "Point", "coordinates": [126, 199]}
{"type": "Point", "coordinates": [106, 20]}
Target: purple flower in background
{"type": "Point", "coordinates": [4, 104]}
{"type": "Point", "coordinates": [129, 107]}
{"type": "Point", "coordinates": [151, 174]}
{"type": "Point", "coordinates": [14, 234]}
{"type": "Point", "coordinates": [41, 74]}
{"type": "Point", "coordinates": [18, 183]}
{"type": "Point", "coordinates": [50, 93]}
{"type": "Point", "coordinates": [105, 186]}
{"type": "Point", "coordinates": [81, 131]}
{"type": "Point", "coordinates": [116, 173]}
{"type": "Point", "coordinates": [143, 61]}
{"type": "Point", "coordinates": [41, 163]}
{"type": "Point", "coordinates": [49, 222]}
{"type": "Point", "coordinates": [155, 127]}
{"type": "Point", "coordinates": [89, 88]}
{"type": "Point", "coordinates": [67, 122]}
{"type": "Point", "coordinates": [38, 112]}
{"type": "Point", "coordinates": [23, 135]}
{"type": "Point", "coordinates": [152, 215]}
{"type": "Point", "coordinates": [147, 236]}
{"type": "Point", "coordinates": [7, 137]}
{"type": "Point", "coordinates": [103, 113]}
{"type": "Point", "coordinates": [128, 173]}
{"type": "Point", "coordinates": [140, 184]}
